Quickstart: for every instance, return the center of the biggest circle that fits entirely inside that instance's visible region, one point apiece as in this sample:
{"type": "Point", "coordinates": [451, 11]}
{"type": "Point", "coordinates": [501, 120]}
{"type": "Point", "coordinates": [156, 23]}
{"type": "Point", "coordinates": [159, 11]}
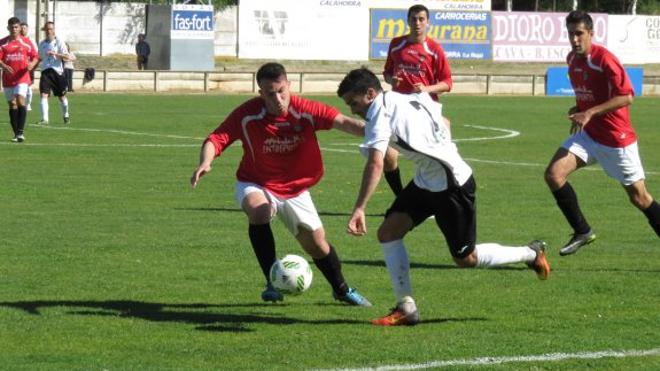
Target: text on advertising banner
{"type": "Point", "coordinates": [462, 35]}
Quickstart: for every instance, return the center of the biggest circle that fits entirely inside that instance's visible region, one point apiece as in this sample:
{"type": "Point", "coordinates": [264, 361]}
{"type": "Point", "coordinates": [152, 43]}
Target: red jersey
{"type": "Point", "coordinates": [413, 63]}
{"type": "Point", "coordinates": [280, 153]}
{"type": "Point", "coordinates": [596, 79]}
{"type": "Point", "coordinates": [16, 54]}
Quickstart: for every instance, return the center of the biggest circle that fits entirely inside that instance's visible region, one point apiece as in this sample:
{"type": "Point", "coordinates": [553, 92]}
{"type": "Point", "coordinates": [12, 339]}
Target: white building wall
{"type": "Point", "coordinates": [109, 28]}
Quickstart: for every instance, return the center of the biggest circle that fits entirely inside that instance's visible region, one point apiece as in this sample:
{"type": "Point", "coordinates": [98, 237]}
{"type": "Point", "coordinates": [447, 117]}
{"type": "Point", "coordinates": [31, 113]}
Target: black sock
{"type": "Point", "coordinates": [263, 244]}
{"type": "Point", "coordinates": [13, 119]}
{"type": "Point", "coordinates": [393, 179]}
{"type": "Point", "coordinates": [330, 266]}
{"type": "Point", "coordinates": [20, 123]}
{"type": "Point", "coordinates": [653, 214]}
{"type": "Point", "coordinates": [568, 203]}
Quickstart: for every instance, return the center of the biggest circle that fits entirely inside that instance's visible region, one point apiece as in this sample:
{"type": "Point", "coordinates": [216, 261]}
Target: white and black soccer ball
{"type": "Point", "coordinates": [291, 274]}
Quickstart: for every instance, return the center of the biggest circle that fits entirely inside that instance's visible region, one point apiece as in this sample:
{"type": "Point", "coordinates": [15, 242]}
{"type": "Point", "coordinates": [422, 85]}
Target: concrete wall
{"type": "Point", "coordinates": [107, 28]}
{"type": "Point", "coordinates": [302, 82]}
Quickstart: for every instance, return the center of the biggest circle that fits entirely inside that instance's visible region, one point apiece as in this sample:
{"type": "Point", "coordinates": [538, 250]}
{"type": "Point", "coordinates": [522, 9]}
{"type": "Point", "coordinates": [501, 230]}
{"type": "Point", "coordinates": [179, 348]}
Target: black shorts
{"type": "Point", "coordinates": [52, 81]}
{"type": "Point", "coordinates": [454, 210]}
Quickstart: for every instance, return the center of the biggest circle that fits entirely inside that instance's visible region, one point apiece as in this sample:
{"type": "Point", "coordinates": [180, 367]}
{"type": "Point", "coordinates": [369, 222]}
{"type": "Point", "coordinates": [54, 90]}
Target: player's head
{"type": "Point", "coordinates": [24, 29]}
{"type": "Point", "coordinates": [358, 89]}
{"type": "Point", "coordinates": [49, 29]}
{"type": "Point", "coordinates": [274, 88]}
{"type": "Point", "coordinates": [580, 29]}
{"type": "Point", "coordinates": [14, 26]}
{"type": "Point", "coordinates": [418, 19]}
{"type": "Point", "coordinates": [141, 37]}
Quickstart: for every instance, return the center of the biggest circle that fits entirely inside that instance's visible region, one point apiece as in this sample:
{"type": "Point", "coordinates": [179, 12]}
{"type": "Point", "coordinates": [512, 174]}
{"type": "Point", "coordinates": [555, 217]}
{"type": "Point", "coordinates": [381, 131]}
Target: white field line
{"type": "Point", "coordinates": [486, 361]}
{"type": "Point", "coordinates": [509, 134]}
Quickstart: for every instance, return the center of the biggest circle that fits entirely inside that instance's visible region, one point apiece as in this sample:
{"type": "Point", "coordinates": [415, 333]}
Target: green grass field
{"type": "Point", "coordinates": [110, 261]}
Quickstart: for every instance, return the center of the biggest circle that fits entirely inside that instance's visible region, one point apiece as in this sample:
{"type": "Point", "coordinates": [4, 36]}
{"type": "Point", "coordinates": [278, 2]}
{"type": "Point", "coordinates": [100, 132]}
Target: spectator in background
{"type": "Point", "coordinates": [68, 69]}
{"type": "Point", "coordinates": [28, 96]}
{"type": "Point", "coordinates": [142, 50]}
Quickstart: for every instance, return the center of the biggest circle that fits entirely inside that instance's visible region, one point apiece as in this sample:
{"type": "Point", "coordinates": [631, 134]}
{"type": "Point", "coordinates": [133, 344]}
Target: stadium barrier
{"type": "Point", "coordinates": [301, 82]}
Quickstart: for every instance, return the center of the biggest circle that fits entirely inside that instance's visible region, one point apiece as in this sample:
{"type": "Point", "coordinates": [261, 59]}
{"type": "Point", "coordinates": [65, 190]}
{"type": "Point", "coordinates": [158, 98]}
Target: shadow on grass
{"type": "Point", "coordinates": [178, 313]}
{"type": "Point", "coordinates": [234, 210]}
{"type": "Point", "coordinates": [414, 265]}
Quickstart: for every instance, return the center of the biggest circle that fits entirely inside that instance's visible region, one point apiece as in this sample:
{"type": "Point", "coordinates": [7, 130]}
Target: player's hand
{"type": "Point", "coordinates": [357, 225]}
{"type": "Point", "coordinates": [199, 172]}
{"type": "Point", "coordinates": [575, 128]}
{"type": "Point", "coordinates": [418, 87]}
{"type": "Point", "coordinates": [394, 82]}
{"type": "Point", "coordinates": [579, 120]}
{"type": "Point", "coordinates": [9, 70]}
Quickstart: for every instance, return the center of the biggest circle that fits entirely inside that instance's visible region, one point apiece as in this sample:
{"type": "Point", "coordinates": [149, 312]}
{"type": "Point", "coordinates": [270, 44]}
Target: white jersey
{"type": "Point", "coordinates": [413, 124]}
{"type": "Point", "coordinates": [50, 61]}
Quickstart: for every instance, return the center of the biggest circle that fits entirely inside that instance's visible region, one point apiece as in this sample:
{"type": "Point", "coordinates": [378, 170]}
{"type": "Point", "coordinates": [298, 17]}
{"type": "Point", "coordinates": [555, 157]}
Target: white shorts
{"type": "Point", "coordinates": [293, 212]}
{"type": "Point", "coordinates": [622, 164]}
{"type": "Point", "coordinates": [20, 89]}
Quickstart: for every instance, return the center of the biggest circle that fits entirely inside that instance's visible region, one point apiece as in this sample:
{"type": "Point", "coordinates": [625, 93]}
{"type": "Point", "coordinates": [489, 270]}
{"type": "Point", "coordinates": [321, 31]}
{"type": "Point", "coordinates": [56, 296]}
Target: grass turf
{"type": "Point", "coordinates": [109, 260]}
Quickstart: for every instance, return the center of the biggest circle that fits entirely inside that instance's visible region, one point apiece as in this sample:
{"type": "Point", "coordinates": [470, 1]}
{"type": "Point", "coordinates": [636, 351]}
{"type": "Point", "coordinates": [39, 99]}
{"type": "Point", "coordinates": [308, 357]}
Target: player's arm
{"type": "Point", "coordinates": [373, 170]}
{"type": "Point", "coordinates": [348, 125]}
{"type": "Point", "coordinates": [581, 119]}
{"type": "Point", "coordinates": [206, 157]}
{"type": "Point", "coordinates": [6, 67]}
{"type": "Point", "coordinates": [439, 88]}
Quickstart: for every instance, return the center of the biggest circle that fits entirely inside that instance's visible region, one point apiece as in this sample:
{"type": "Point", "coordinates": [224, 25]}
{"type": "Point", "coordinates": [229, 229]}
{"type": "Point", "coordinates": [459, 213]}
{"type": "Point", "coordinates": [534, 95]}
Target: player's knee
{"type": "Point", "coordinates": [386, 234]}
{"type": "Point", "coordinates": [259, 215]}
{"type": "Point", "coordinates": [641, 201]}
{"type": "Point", "coordinates": [553, 177]}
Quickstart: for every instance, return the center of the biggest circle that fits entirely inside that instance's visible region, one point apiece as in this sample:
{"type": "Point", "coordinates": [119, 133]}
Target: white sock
{"type": "Point", "coordinates": [64, 104]}
{"type": "Point", "coordinates": [398, 265]}
{"type": "Point", "coordinates": [493, 255]}
{"type": "Point", "coordinates": [44, 108]}
{"type": "Point", "coordinates": [28, 98]}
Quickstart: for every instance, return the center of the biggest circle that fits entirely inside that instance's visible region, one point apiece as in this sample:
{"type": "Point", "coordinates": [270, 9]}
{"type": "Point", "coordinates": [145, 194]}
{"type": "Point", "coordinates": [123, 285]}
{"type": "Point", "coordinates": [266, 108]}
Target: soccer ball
{"type": "Point", "coordinates": [291, 274]}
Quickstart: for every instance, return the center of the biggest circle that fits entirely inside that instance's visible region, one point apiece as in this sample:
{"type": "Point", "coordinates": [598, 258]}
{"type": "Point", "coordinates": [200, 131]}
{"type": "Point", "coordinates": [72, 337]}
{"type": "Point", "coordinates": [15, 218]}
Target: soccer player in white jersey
{"type": "Point", "coordinates": [52, 54]}
{"type": "Point", "coordinates": [443, 186]}
{"type": "Point", "coordinates": [28, 97]}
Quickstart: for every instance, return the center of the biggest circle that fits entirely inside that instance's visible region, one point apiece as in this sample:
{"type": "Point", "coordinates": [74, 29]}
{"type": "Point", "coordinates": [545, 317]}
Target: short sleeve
{"type": "Point", "coordinates": [322, 114]}
{"type": "Point", "coordinates": [617, 77]}
{"type": "Point", "coordinates": [377, 132]}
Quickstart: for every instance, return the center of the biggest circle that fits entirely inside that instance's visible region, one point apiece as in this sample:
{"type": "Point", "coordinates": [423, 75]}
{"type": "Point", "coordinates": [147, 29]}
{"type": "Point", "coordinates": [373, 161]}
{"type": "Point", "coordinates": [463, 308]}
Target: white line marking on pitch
{"type": "Point", "coordinates": [486, 361]}
{"type": "Point", "coordinates": [509, 134]}
{"type": "Point", "coordinates": [116, 131]}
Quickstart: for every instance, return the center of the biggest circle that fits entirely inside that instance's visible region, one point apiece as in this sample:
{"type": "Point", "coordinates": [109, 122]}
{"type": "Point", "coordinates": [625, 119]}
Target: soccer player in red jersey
{"type": "Point", "coordinates": [17, 58]}
{"type": "Point", "coordinates": [281, 161]}
{"type": "Point", "coordinates": [415, 63]}
{"type": "Point", "coordinates": [601, 131]}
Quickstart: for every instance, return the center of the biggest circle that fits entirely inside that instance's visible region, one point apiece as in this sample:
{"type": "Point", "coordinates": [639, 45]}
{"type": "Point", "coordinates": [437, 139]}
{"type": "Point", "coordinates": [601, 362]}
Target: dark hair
{"type": "Point", "coordinates": [12, 21]}
{"type": "Point", "coordinates": [24, 24]}
{"type": "Point", "coordinates": [358, 81]}
{"type": "Point", "coordinates": [416, 9]}
{"type": "Point", "coordinates": [580, 16]}
{"type": "Point", "coordinates": [46, 24]}
{"type": "Point", "coordinates": [270, 71]}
